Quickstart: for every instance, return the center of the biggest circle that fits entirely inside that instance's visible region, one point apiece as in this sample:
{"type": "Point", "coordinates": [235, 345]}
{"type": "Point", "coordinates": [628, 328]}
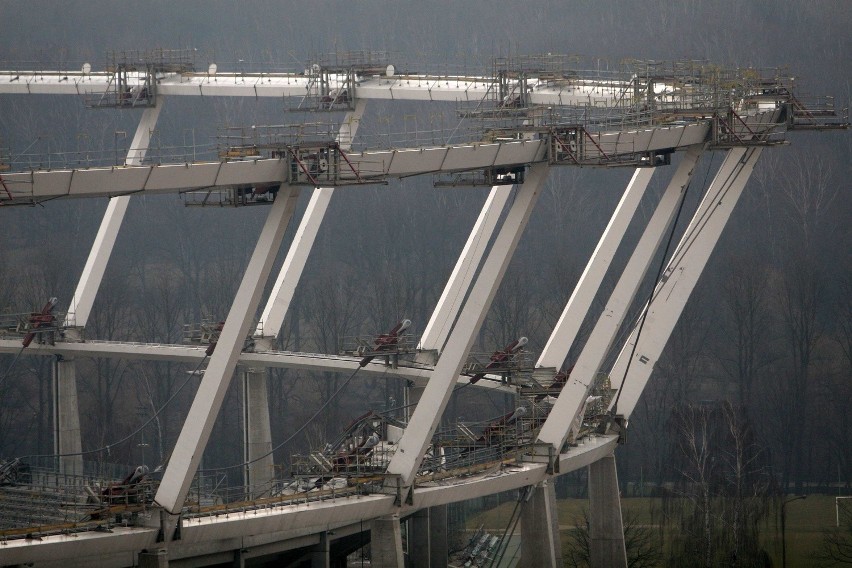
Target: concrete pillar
{"type": "Point", "coordinates": [386, 543]}
{"type": "Point", "coordinates": [257, 436]}
{"type": "Point", "coordinates": [439, 547]}
{"type": "Point", "coordinates": [419, 540]}
{"type": "Point", "coordinates": [239, 559]}
{"type": "Point", "coordinates": [540, 544]}
{"type": "Point", "coordinates": [321, 553]}
{"type": "Point", "coordinates": [153, 559]}
{"type": "Point", "coordinates": [606, 533]}
{"type": "Point", "coordinates": [66, 417]}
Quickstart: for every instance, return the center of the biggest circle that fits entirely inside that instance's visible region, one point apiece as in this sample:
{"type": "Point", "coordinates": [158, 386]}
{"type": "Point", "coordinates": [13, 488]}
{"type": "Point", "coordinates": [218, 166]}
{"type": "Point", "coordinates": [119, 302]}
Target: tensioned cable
{"type": "Point", "coordinates": [294, 434]}
{"type": "Point", "coordinates": [507, 533]}
{"type": "Point", "coordinates": [688, 240]}
{"type": "Point", "coordinates": [139, 429]}
{"type": "Point", "coordinates": [662, 267]}
{"type": "Point", "coordinates": [9, 370]}
{"type": "Point", "coordinates": [311, 419]}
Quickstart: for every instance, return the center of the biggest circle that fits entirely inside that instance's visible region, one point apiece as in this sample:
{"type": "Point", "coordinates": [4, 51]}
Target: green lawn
{"type": "Point", "coordinates": [806, 521]}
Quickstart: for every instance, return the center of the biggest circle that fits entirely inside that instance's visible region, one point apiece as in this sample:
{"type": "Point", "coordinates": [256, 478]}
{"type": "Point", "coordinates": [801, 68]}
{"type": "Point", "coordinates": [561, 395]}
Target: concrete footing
{"type": "Point", "coordinates": [606, 532]}
{"type": "Point", "coordinates": [153, 559]}
{"type": "Point", "coordinates": [540, 544]}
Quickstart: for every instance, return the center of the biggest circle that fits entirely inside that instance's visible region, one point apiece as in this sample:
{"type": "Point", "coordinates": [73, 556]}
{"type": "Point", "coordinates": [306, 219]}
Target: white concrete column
{"type": "Point", "coordinates": [606, 533]}
{"type": "Point", "coordinates": [439, 326]}
{"type": "Point", "coordinates": [681, 275]}
{"type": "Point", "coordinates": [430, 408]}
{"type": "Point", "coordinates": [419, 540]}
{"type": "Point", "coordinates": [540, 543]}
{"type": "Point", "coordinates": [288, 277]}
{"type": "Point", "coordinates": [66, 417]}
{"type": "Point", "coordinates": [574, 393]}
{"type": "Point", "coordinates": [93, 272]}
{"type": "Point", "coordinates": [386, 543]}
{"type": "Point", "coordinates": [257, 434]}
{"type": "Point", "coordinates": [439, 543]}
{"type": "Point", "coordinates": [565, 332]}
{"type": "Point", "coordinates": [67, 439]}
{"type": "Point", "coordinates": [321, 553]}
{"type": "Point", "coordinates": [208, 399]}
{"type": "Point", "coordinates": [428, 545]}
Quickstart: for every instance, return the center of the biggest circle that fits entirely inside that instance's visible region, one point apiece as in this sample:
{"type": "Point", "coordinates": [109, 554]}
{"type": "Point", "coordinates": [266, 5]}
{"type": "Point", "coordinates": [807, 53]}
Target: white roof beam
{"type": "Point", "coordinates": [433, 401]}
{"type": "Point", "coordinates": [680, 277]}
{"type": "Point", "coordinates": [81, 304]}
{"type": "Point", "coordinates": [574, 393]}
{"type": "Point", "coordinates": [294, 263]}
{"type": "Point", "coordinates": [208, 399]}
{"type": "Point", "coordinates": [565, 333]}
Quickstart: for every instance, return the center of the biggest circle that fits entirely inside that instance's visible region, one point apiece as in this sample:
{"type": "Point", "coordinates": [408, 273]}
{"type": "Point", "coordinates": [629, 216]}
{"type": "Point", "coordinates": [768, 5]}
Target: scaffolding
{"type": "Point", "coordinates": [512, 368]}
{"type": "Point", "coordinates": [359, 346]}
{"type": "Point", "coordinates": [333, 78]}
{"type": "Point", "coordinates": [134, 75]}
{"type": "Point", "coordinates": [43, 328]}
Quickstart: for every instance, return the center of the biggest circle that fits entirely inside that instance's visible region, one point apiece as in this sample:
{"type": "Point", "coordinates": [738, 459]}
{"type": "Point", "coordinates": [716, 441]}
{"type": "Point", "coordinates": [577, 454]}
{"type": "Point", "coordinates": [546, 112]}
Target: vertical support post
{"type": "Point", "coordinates": [386, 543]}
{"type": "Point", "coordinates": [67, 414]}
{"type": "Point", "coordinates": [540, 543]}
{"type": "Point", "coordinates": [439, 545]}
{"type": "Point", "coordinates": [257, 444]}
{"type": "Point", "coordinates": [565, 332]}
{"type": "Point", "coordinates": [258, 433]}
{"type": "Point", "coordinates": [321, 553]}
{"type": "Point", "coordinates": [418, 434]}
{"type": "Point", "coordinates": [439, 326]}
{"type": "Point", "coordinates": [429, 546]}
{"type": "Point", "coordinates": [208, 400]}
{"type": "Point", "coordinates": [681, 275]}
{"type": "Point", "coordinates": [420, 549]}
{"type": "Point", "coordinates": [573, 395]}
{"type": "Point", "coordinates": [66, 418]}
{"type": "Point", "coordinates": [606, 532]}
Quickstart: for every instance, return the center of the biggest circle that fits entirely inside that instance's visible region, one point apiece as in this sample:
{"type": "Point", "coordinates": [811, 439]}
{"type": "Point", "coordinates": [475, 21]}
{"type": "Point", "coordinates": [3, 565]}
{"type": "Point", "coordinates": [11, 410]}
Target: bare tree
{"type": "Point", "coordinates": [746, 298]}
{"type": "Point", "coordinates": [643, 544]}
{"type": "Point", "coordinates": [800, 299]}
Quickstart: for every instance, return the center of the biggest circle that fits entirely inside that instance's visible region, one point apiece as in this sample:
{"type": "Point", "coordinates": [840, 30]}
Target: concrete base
{"type": "Point", "coordinates": [540, 544]}
{"type": "Point", "coordinates": [606, 532]}
{"type": "Point", "coordinates": [153, 559]}
{"type": "Point", "coordinates": [386, 543]}
{"type": "Point", "coordinates": [67, 417]}
{"type": "Point", "coordinates": [259, 474]}
{"type": "Point", "coordinates": [427, 542]}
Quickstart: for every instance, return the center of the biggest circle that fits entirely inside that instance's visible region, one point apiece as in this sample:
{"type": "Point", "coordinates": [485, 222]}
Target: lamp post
{"type": "Point", "coordinates": [783, 527]}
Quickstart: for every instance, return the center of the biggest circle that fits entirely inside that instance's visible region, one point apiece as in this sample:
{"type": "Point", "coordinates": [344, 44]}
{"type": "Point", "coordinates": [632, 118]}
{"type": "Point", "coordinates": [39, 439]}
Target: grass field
{"type": "Point", "coordinates": [807, 519]}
